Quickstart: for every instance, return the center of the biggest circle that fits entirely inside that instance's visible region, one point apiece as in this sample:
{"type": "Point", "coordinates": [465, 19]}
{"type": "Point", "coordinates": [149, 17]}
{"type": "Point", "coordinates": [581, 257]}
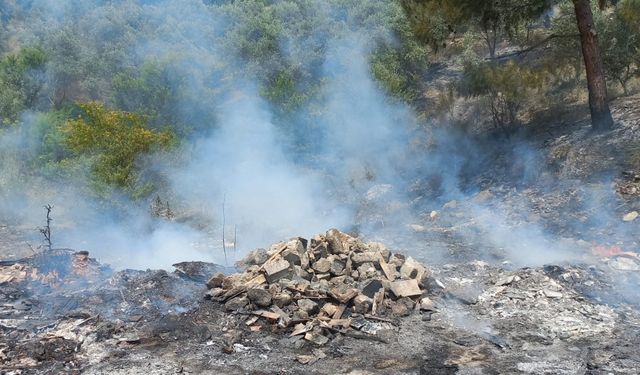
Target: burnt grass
{"type": "Point", "coordinates": [492, 315]}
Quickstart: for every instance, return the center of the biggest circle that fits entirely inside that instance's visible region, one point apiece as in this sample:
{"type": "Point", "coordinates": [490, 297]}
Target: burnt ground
{"type": "Point", "coordinates": [574, 314]}
{"type": "Point", "coordinates": [488, 320]}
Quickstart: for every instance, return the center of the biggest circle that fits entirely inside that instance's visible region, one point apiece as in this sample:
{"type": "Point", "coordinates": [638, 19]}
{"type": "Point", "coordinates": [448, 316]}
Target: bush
{"type": "Point", "coordinates": [20, 82]}
{"type": "Point", "coordinates": [114, 141]}
{"type": "Point", "coordinates": [505, 87]}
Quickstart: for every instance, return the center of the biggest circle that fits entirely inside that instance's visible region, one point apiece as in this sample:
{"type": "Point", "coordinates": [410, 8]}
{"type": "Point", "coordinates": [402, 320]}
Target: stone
{"type": "Point", "coordinates": [405, 288]}
{"type": "Point", "coordinates": [371, 287]}
{"type": "Point", "coordinates": [236, 303]}
{"type": "Point", "coordinates": [412, 269]}
{"type": "Point", "coordinates": [277, 269]}
{"type": "Point", "coordinates": [551, 294]}
{"type": "Point", "coordinates": [367, 271]}
{"type": "Point", "coordinates": [631, 216]}
{"type": "Point", "coordinates": [397, 260]}
{"type": "Point", "coordinates": [282, 299]}
{"type": "Point", "coordinates": [259, 297]}
{"type": "Point", "coordinates": [366, 257]}
{"type": "Point", "coordinates": [308, 306]}
{"type": "Point", "coordinates": [380, 248]}
{"type": "Point", "coordinates": [624, 264]}
{"type": "Point", "coordinates": [506, 280]}
{"type": "Point", "coordinates": [426, 304]}
{"type": "Point", "coordinates": [343, 293]}
{"type": "Point", "coordinates": [299, 315]}
{"type": "Point", "coordinates": [302, 273]}
{"type": "Point", "coordinates": [433, 215]}
{"type": "Point", "coordinates": [297, 245]}
{"type": "Point", "coordinates": [337, 267]}
{"type": "Point", "coordinates": [255, 257]}
{"type": "Point", "coordinates": [322, 265]}
{"type": "Point", "coordinates": [216, 281]}
{"type": "Point", "coordinates": [399, 309]}
{"type": "Point", "coordinates": [292, 257]}
{"type": "Point", "coordinates": [329, 309]}
{"type": "Point", "coordinates": [315, 336]}
{"type": "Point", "coordinates": [215, 292]}
{"type": "Point", "coordinates": [362, 304]}
{"type": "Point", "coordinates": [337, 241]}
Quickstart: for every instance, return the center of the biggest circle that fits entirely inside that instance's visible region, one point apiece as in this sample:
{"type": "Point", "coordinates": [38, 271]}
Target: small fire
{"type": "Point", "coordinates": [610, 251]}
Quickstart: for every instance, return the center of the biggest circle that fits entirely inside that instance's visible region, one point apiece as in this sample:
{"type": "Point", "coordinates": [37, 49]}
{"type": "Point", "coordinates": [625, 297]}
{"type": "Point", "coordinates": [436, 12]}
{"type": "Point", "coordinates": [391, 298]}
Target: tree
{"type": "Point", "coordinates": [621, 53]}
{"type": "Point", "coordinates": [492, 17]}
{"type": "Point", "coordinates": [598, 102]}
{"type": "Point", "coordinates": [21, 81]}
{"type": "Point", "coordinates": [434, 20]}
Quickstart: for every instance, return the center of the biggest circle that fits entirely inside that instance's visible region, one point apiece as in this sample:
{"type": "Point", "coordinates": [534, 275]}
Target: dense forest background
{"type": "Point", "coordinates": [118, 98]}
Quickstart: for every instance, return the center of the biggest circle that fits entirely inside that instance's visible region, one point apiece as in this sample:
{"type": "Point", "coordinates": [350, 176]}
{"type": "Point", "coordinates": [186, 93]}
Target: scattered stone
{"type": "Point", "coordinates": [308, 306]}
{"type": "Point", "coordinates": [324, 287]}
{"type": "Point", "coordinates": [366, 257]}
{"type": "Point", "coordinates": [362, 304]}
{"type": "Point", "coordinates": [343, 293]}
{"type": "Point", "coordinates": [277, 269]}
{"type": "Point", "coordinates": [216, 281]}
{"type": "Point", "coordinates": [315, 336]}
{"type": "Point", "coordinates": [282, 299]}
{"type": "Point", "coordinates": [259, 297]}
{"type": "Point", "coordinates": [235, 304]}
{"type": "Point", "coordinates": [371, 287]}
{"type": "Point", "coordinates": [624, 264]}
{"type": "Point", "coordinates": [433, 215]}
{"type": "Point", "coordinates": [412, 269]}
{"type": "Point", "coordinates": [329, 309]}
{"type": "Point", "coordinates": [505, 280]}
{"type": "Point", "coordinates": [631, 216]}
{"type": "Point", "coordinates": [426, 304]}
{"type": "Point", "coordinates": [337, 267]}
{"type": "Point", "coordinates": [322, 265]}
{"type": "Point", "coordinates": [405, 288]}
{"type": "Point", "coordinates": [255, 258]}
{"type": "Point", "coordinates": [551, 294]}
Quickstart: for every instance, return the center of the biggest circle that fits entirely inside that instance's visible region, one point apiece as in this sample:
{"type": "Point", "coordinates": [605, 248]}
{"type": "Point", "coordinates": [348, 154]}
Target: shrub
{"type": "Point", "coordinates": [114, 141]}
{"type": "Point", "coordinates": [505, 87]}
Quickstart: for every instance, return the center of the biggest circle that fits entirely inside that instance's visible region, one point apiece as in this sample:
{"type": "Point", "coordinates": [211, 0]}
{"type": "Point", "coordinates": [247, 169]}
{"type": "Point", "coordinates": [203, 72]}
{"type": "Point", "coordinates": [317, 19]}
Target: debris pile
{"type": "Point", "coordinates": [334, 283]}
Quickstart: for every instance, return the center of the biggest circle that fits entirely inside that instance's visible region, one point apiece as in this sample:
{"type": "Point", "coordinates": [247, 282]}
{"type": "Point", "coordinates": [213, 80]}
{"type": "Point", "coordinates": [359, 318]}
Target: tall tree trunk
{"type": "Point", "coordinates": [598, 103]}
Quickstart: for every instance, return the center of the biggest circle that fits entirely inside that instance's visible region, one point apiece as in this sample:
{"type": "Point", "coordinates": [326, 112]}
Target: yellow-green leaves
{"type": "Point", "coordinates": [115, 140]}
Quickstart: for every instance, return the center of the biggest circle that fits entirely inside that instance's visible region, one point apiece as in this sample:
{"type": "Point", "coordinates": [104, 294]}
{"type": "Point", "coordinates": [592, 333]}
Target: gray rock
{"type": "Point", "coordinates": [308, 306]}
{"type": "Point", "coordinates": [259, 297]}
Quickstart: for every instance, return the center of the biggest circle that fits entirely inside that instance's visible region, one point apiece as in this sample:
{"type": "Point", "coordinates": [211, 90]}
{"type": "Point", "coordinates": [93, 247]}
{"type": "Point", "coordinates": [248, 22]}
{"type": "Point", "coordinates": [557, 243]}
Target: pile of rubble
{"type": "Point", "coordinates": [332, 284]}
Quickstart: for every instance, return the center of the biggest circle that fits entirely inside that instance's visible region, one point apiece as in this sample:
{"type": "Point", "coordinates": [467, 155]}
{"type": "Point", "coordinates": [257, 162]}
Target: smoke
{"type": "Point", "coordinates": [242, 173]}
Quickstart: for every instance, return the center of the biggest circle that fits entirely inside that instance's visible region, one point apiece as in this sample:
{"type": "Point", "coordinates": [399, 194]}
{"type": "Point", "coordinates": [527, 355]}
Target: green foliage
{"type": "Point", "coordinates": [435, 20]}
{"type": "Point", "coordinates": [505, 87]}
{"type": "Point", "coordinates": [621, 49]}
{"type": "Point", "coordinates": [114, 141]}
{"type": "Point", "coordinates": [20, 82]}
{"type": "Point", "coordinates": [147, 90]}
